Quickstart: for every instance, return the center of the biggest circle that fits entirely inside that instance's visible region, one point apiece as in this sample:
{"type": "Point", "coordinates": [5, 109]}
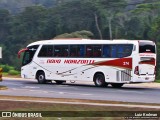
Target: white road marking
{"type": "Point", "coordinates": [30, 87]}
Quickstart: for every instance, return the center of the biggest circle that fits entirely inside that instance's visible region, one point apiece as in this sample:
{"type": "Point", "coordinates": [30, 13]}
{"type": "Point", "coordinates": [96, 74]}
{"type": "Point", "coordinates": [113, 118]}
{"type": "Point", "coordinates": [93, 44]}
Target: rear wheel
{"type": "Point", "coordinates": [117, 85]}
{"type": "Point", "coordinates": [41, 77]}
{"type": "Point", "coordinates": [99, 80]}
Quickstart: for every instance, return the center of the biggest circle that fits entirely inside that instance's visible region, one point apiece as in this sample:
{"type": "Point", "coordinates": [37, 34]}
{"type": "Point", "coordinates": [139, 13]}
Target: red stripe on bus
{"type": "Point", "coordinates": [150, 62]}
{"type": "Point", "coordinates": [121, 62]}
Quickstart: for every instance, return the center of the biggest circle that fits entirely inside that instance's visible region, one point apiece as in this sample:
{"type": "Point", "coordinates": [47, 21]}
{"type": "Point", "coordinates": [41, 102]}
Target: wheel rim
{"type": "Point", "coordinates": [99, 81]}
{"type": "Point", "coordinates": [41, 77]}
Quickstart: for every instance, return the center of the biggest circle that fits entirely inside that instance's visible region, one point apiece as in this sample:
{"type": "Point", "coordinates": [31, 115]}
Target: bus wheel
{"type": "Point", "coordinates": [59, 81]}
{"type": "Point", "coordinates": [99, 80]}
{"type": "Point", "coordinates": [41, 77]}
{"type": "Point", "coordinates": [117, 85]}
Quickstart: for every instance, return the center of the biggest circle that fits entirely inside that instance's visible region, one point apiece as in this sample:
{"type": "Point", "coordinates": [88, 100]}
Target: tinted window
{"type": "Point", "coordinates": [46, 51]}
{"type": "Point", "coordinates": [29, 54]}
{"type": "Point", "coordinates": [146, 47]}
{"type": "Point", "coordinates": [90, 51]}
{"type": "Point", "coordinates": [61, 51]}
{"type": "Point", "coordinates": [93, 50]}
{"type": "Point", "coordinates": [117, 51]}
{"type": "Point", "coordinates": [77, 51]}
{"type": "Point", "coordinates": [124, 50]}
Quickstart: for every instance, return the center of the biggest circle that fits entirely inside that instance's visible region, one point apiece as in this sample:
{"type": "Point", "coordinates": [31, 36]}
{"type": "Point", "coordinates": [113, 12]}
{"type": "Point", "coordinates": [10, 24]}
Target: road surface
{"type": "Point", "coordinates": [128, 93]}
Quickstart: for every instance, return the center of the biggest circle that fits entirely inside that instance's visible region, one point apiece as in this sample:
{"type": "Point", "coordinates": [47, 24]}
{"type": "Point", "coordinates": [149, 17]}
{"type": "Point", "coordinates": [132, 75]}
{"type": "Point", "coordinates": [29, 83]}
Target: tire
{"type": "Point", "coordinates": [41, 78]}
{"type": "Point", "coordinates": [117, 85]}
{"type": "Point", "coordinates": [99, 80]}
{"type": "Point", "coordinates": [59, 82]}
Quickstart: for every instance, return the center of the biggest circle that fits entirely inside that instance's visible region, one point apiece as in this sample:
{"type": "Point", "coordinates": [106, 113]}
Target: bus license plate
{"type": "Point", "coordinates": [147, 78]}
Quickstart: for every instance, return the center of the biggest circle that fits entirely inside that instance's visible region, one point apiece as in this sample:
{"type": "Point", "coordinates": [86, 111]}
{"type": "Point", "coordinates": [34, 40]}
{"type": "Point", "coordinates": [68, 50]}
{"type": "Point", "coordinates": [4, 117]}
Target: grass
{"type": "Point", "coordinates": [5, 74]}
{"type": "Point", "coordinates": [158, 81]}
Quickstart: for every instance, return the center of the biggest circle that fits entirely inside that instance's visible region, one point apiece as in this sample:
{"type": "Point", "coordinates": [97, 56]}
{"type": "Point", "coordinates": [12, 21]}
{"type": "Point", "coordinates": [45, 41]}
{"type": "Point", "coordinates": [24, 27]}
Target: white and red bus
{"type": "Point", "coordinates": [104, 62]}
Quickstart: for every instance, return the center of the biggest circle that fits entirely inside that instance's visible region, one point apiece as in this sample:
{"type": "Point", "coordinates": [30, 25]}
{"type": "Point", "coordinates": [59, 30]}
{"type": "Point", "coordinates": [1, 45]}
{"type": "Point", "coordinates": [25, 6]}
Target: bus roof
{"type": "Point", "coordinates": [85, 41]}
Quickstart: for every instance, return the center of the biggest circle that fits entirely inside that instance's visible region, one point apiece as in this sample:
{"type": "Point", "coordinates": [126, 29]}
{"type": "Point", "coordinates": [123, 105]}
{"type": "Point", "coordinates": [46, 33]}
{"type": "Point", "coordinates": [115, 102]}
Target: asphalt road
{"type": "Point", "coordinates": [128, 93]}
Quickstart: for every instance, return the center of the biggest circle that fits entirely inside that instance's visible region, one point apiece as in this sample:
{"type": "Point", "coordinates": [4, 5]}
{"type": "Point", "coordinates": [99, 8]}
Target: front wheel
{"type": "Point", "coordinates": [117, 85]}
{"type": "Point", "coordinates": [99, 80]}
{"type": "Point", "coordinates": [41, 78]}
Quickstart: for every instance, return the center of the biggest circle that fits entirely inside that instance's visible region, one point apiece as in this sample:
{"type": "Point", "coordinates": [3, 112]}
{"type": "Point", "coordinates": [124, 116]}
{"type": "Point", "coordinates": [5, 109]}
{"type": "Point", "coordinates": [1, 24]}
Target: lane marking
{"type": "Point", "coordinates": [30, 87]}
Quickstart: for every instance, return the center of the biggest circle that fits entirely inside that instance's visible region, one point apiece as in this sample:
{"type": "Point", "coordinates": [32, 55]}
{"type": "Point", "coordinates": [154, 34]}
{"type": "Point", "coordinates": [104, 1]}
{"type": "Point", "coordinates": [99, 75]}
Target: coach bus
{"type": "Point", "coordinates": [104, 62]}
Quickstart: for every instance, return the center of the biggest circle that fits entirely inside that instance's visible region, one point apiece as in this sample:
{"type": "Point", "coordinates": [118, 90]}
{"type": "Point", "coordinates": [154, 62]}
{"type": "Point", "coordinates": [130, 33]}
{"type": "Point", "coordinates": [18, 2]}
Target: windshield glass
{"type": "Point", "coordinates": [29, 54]}
{"type": "Point", "coordinates": [146, 47]}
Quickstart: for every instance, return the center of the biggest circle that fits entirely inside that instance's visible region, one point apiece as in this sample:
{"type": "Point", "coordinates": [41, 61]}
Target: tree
{"type": "Point", "coordinates": [4, 24]}
{"type": "Point", "coordinates": [26, 27]}
{"type": "Point", "coordinates": [155, 31]}
{"type": "Point", "coordinates": [29, 25]}
{"type": "Point", "coordinates": [106, 10]}
{"type": "Point", "coordinates": [148, 11]}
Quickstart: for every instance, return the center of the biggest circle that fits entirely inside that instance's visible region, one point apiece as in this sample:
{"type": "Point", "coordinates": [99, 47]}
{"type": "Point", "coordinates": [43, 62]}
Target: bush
{"type": "Point", "coordinates": [5, 68]}
{"type": "Point", "coordinates": [9, 69]}
{"type": "Point", "coordinates": [13, 72]}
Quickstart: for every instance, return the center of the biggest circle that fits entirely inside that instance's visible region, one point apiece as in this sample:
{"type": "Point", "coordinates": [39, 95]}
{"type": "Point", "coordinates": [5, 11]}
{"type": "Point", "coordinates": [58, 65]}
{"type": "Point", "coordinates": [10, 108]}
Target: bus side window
{"type": "Point", "coordinates": [81, 51]}
{"type": "Point", "coordinates": [57, 51]}
{"type": "Point", "coordinates": [89, 51]}
{"type": "Point", "coordinates": [50, 51]}
{"type": "Point", "coordinates": [65, 51]}
{"type": "Point", "coordinates": [97, 50]}
{"type": "Point", "coordinates": [128, 50]}
{"type": "Point", "coordinates": [43, 51]}
{"type": "Point", "coordinates": [61, 50]}
{"type": "Point", "coordinates": [113, 51]}
{"type": "Point", "coordinates": [120, 51]}
{"type": "Point", "coordinates": [76, 50]}
{"type": "Point", "coordinates": [73, 51]}
{"type": "Point", "coordinates": [106, 51]}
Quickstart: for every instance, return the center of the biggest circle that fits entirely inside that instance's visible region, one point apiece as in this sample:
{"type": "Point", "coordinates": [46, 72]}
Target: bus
{"type": "Point", "coordinates": [0, 67]}
{"type": "Point", "coordinates": [105, 62]}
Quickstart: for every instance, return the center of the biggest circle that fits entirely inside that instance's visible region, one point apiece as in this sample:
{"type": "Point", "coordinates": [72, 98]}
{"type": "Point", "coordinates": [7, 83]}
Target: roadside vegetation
{"type": "Point", "coordinates": [9, 70]}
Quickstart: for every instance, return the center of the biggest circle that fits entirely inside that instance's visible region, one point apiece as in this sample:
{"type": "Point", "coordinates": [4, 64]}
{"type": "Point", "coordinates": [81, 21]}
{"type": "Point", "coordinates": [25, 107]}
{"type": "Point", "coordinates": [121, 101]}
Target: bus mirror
{"type": "Point", "coordinates": [23, 50]}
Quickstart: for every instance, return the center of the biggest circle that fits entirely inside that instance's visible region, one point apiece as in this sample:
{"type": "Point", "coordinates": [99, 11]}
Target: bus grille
{"type": "Point", "coordinates": [124, 75]}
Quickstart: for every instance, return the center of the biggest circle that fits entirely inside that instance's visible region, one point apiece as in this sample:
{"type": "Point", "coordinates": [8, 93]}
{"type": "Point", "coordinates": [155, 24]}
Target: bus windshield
{"type": "Point", "coordinates": [29, 54]}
